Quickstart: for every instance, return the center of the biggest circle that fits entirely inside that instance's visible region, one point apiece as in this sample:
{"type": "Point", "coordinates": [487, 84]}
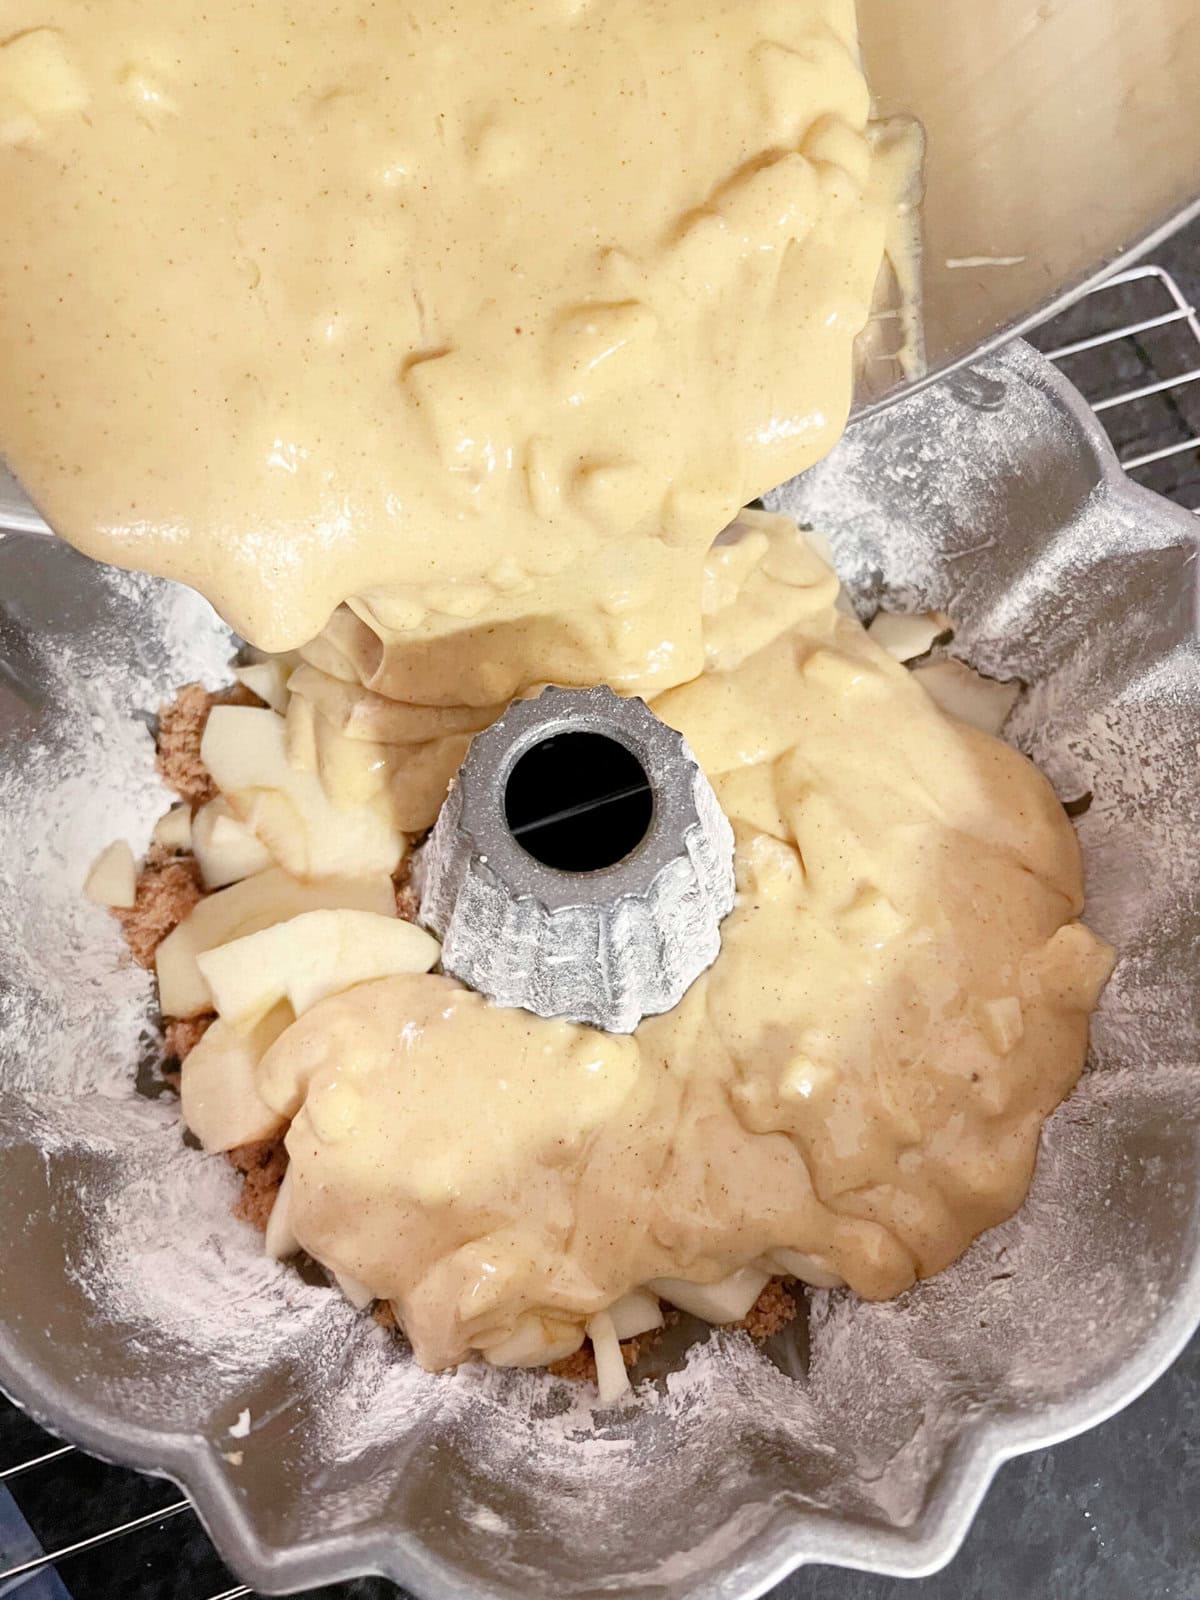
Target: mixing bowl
{"type": "Point", "coordinates": [141, 1320]}
{"type": "Point", "coordinates": [1061, 137]}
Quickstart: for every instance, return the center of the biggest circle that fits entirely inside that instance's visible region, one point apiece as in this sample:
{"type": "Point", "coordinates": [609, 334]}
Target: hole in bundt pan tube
{"type": "Point", "coordinates": [578, 802]}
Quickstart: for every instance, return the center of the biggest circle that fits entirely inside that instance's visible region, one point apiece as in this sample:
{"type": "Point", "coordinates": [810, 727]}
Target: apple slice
{"type": "Point", "coordinates": [357, 1293]}
{"type": "Point", "coordinates": [612, 1379]}
{"type": "Point", "coordinates": [907, 635]}
{"type": "Point", "coordinates": [245, 749]}
{"type": "Point", "coordinates": [812, 1270]}
{"type": "Point", "coordinates": [281, 1242]}
{"type": "Point", "coordinates": [247, 907]}
{"type": "Point", "coordinates": [315, 954]}
{"type": "Point", "coordinates": [300, 735]}
{"type": "Point", "coordinates": [634, 1313]}
{"type": "Point", "coordinates": [112, 880]}
{"type": "Point", "coordinates": [962, 692]}
{"type": "Point", "coordinates": [726, 1301]}
{"type": "Point", "coordinates": [352, 771]}
{"type": "Point", "coordinates": [268, 679]}
{"type": "Point", "coordinates": [535, 1341]}
{"type": "Point", "coordinates": [225, 849]}
{"type": "Point", "coordinates": [173, 830]}
{"type": "Point", "coordinates": [220, 1098]}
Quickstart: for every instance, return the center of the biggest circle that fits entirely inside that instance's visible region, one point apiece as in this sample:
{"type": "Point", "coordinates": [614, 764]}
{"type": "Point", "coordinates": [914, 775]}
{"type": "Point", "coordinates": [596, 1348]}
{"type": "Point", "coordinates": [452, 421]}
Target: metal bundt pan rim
{"type": "Point", "coordinates": [792, 1536]}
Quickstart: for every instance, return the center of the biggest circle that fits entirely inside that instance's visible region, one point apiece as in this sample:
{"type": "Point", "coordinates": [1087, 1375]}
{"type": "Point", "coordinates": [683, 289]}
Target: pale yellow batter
{"type": "Point", "coordinates": [490, 315]}
{"type": "Point", "coordinates": [901, 998]}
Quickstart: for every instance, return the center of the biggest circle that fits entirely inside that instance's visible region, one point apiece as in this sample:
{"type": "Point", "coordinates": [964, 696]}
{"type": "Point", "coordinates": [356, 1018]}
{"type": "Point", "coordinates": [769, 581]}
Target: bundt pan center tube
{"type": "Point", "coordinates": [139, 1319]}
{"type": "Point", "coordinates": [581, 865]}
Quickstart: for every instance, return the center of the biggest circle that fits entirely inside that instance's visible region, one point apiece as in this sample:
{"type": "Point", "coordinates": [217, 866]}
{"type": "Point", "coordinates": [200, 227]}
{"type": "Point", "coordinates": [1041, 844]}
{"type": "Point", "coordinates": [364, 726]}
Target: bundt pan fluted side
{"type": "Point", "coordinates": [141, 1320]}
{"type": "Point", "coordinates": [607, 946]}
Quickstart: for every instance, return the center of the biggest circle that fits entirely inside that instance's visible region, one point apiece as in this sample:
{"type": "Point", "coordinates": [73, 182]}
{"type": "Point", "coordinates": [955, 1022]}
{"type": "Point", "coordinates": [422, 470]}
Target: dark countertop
{"type": "Point", "coordinates": [1112, 1515]}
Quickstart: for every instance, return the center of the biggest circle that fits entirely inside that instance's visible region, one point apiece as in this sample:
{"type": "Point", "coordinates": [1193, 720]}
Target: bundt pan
{"type": "Point", "coordinates": [141, 1320]}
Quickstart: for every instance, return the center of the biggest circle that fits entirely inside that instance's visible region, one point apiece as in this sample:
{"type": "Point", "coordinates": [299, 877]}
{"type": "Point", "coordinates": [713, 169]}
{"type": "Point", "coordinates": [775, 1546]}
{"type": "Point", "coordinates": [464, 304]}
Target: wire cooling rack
{"type": "Point", "coordinates": [1133, 347]}
{"type": "Point", "coordinates": [72, 1528]}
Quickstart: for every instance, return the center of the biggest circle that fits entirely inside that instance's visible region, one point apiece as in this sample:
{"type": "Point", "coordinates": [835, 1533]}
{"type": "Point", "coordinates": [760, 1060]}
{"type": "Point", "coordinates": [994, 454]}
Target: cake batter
{"type": "Point", "coordinates": [852, 1092]}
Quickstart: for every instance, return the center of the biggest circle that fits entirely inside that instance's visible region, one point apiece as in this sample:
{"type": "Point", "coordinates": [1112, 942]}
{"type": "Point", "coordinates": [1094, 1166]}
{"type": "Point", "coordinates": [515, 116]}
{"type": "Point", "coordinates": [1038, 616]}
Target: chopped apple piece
{"type": "Point", "coordinates": [225, 849]}
{"type": "Point", "coordinates": [300, 735]}
{"type": "Point", "coordinates": [221, 1102]}
{"type": "Point", "coordinates": [635, 1312]}
{"type": "Point", "coordinates": [315, 954]}
{"type": "Point", "coordinates": [962, 692]}
{"type": "Point", "coordinates": [268, 679]}
{"type": "Point", "coordinates": [813, 1270]}
{"type": "Point", "coordinates": [353, 771]}
{"type": "Point", "coordinates": [906, 636]}
{"type": "Point", "coordinates": [174, 830]}
{"type": "Point", "coordinates": [245, 749]}
{"type": "Point", "coordinates": [281, 1242]}
{"type": "Point", "coordinates": [357, 1293]}
{"type": "Point", "coordinates": [247, 907]}
{"type": "Point", "coordinates": [112, 880]}
{"type": "Point", "coordinates": [612, 1380]}
{"type": "Point", "coordinates": [818, 543]}
{"type": "Point", "coordinates": [1001, 1022]}
{"type": "Point", "coordinates": [535, 1341]}
{"type": "Point", "coordinates": [726, 1301]}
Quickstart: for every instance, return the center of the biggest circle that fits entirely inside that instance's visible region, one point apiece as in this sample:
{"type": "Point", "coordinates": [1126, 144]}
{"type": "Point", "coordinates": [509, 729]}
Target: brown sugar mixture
{"type": "Point", "coordinates": [183, 1034]}
{"type": "Point", "coordinates": [167, 889]}
{"type": "Point", "coordinates": [180, 729]}
{"type": "Point", "coordinates": [774, 1309]}
{"type": "Point", "coordinates": [181, 725]}
{"type": "Point", "coordinates": [262, 1166]}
